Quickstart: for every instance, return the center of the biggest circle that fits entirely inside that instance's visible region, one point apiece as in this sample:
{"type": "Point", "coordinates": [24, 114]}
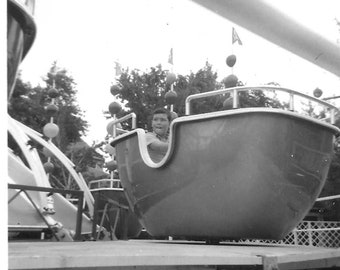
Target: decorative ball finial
{"type": "Point", "coordinates": [51, 130]}
{"type": "Point", "coordinates": [114, 107]}
{"type": "Point", "coordinates": [47, 153]}
{"type": "Point", "coordinates": [174, 115]}
{"type": "Point", "coordinates": [317, 92]}
{"type": "Point", "coordinates": [114, 88]}
{"type": "Point", "coordinates": [230, 81]}
{"type": "Point", "coordinates": [231, 60]}
{"type": "Point", "coordinates": [49, 167]}
{"type": "Point", "coordinates": [170, 78]}
{"type": "Point", "coordinates": [53, 92]}
{"type": "Point", "coordinates": [51, 109]}
{"type": "Point", "coordinates": [111, 165]}
{"type": "Point", "coordinates": [170, 97]}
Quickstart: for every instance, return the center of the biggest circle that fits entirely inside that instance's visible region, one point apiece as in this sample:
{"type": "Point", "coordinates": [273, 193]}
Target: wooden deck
{"type": "Point", "coordinates": [149, 254]}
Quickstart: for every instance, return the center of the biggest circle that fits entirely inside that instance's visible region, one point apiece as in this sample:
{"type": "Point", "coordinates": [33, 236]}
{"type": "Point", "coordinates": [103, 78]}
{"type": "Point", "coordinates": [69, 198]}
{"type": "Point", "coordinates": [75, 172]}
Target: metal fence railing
{"type": "Point", "coordinates": [78, 193]}
{"type": "Point", "coordinates": [310, 233]}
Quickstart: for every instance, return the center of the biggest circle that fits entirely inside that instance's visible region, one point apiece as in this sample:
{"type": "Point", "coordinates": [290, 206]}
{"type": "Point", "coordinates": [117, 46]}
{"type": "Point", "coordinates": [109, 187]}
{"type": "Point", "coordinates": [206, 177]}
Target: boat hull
{"type": "Point", "coordinates": [252, 174]}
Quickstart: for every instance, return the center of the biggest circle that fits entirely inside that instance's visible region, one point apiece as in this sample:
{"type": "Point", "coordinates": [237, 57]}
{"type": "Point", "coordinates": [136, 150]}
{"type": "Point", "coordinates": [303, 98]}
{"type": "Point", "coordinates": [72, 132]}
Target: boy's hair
{"type": "Point", "coordinates": [162, 111]}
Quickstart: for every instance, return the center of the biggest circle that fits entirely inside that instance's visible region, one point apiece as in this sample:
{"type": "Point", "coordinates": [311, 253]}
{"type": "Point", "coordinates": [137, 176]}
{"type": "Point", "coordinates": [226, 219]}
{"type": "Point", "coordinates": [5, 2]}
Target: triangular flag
{"type": "Point", "coordinates": [235, 37]}
{"type": "Point", "coordinates": [171, 57]}
{"type": "Point", "coordinates": [118, 69]}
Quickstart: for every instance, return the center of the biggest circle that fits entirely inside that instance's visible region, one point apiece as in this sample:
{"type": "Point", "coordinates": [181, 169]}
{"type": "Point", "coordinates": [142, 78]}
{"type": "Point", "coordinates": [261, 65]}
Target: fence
{"type": "Point", "coordinates": [310, 233]}
{"type": "Point", "coordinates": [78, 193]}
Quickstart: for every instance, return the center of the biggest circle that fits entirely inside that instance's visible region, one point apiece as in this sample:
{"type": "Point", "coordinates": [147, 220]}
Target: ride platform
{"type": "Point", "coordinates": [166, 254]}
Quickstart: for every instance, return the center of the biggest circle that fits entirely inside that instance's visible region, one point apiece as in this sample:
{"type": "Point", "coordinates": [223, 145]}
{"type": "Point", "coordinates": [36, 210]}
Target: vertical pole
{"type": "Point", "coordinates": [235, 99]}
{"type": "Point", "coordinates": [291, 102]}
{"type": "Point", "coordinates": [295, 234]}
{"type": "Point", "coordinates": [172, 105]}
{"type": "Point", "coordinates": [79, 215]}
{"type": "Point", "coordinates": [114, 133]}
{"type": "Point", "coordinates": [310, 236]}
{"type": "Point", "coordinates": [332, 116]}
{"type": "Point", "coordinates": [102, 220]}
{"type": "Point", "coordinates": [95, 215]}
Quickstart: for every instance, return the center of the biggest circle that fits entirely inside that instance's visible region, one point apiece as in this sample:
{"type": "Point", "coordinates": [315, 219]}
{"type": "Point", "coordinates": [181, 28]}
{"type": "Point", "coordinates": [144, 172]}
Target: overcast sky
{"type": "Point", "coordinates": [85, 37]}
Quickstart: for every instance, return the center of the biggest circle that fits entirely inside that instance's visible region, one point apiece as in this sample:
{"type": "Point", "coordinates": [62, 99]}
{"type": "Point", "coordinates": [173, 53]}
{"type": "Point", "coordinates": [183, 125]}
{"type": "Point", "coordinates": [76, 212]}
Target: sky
{"type": "Point", "coordinates": [86, 37]}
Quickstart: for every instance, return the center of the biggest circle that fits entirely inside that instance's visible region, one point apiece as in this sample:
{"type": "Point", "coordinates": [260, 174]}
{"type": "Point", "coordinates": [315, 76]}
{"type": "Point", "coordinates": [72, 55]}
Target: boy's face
{"type": "Point", "coordinates": [160, 124]}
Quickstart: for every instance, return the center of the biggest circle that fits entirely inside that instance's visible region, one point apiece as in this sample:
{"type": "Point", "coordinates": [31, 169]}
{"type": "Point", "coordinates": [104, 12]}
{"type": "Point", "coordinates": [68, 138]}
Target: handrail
{"type": "Point", "coordinates": [334, 197]}
{"type": "Point", "coordinates": [92, 183]}
{"type": "Point", "coordinates": [78, 193]}
{"type": "Point", "coordinates": [235, 91]}
{"type": "Point", "coordinates": [116, 121]}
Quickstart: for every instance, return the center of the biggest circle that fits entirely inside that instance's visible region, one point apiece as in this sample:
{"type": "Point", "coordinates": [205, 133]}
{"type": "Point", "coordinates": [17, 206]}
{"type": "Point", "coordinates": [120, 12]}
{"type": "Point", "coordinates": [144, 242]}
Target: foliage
{"type": "Point", "coordinates": [24, 105]}
{"type": "Point", "coordinates": [142, 92]}
{"type": "Point", "coordinates": [28, 107]}
{"type": "Point", "coordinates": [86, 160]}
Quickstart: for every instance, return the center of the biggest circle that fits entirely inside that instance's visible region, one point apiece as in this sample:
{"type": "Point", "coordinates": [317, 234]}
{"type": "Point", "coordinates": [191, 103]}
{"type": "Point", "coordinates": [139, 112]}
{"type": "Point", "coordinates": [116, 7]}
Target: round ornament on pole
{"type": "Point", "coordinates": [114, 107]}
{"type": "Point", "coordinates": [49, 167]}
{"type": "Point", "coordinates": [113, 89]}
{"type": "Point", "coordinates": [230, 81]}
{"type": "Point", "coordinates": [51, 109]}
{"type": "Point", "coordinates": [174, 115]}
{"type": "Point", "coordinates": [51, 130]}
{"type": "Point", "coordinates": [170, 78]}
{"type": "Point", "coordinates": [53, 93]}
{"type": "Point", "coordinates": [170, 97]}
{"type": "Point", "coordinates": [47, 153]}
{"type": "Point", "coordinates": [317, 92]}
{"type": "Point", "coordinates": [111, 165]}
{"type": "Point", "coordinates": [231, 60]}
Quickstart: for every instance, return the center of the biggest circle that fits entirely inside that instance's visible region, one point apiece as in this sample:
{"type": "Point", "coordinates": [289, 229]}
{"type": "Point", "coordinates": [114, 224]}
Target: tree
{"type": "Point", "coordinates": [28, 107]}
{"type": "Point", "coordinates": [142, 93]}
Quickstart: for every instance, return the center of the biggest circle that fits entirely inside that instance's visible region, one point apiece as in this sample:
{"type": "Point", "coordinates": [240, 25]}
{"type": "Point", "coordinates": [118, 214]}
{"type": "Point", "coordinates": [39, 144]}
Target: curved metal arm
{"type": "Point", "coordinates": [235, 91]}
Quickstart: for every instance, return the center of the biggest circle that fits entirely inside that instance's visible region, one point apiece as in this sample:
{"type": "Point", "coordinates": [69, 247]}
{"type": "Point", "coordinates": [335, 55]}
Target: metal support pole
{"type": "Point", "coordinates": [41, 215]}
{"type": "Point", "coordinates": [79, 216]}
{"type": "Point", "coordinates": [102, 220]}
{"type": "Point", "coordinates": [95, 215]}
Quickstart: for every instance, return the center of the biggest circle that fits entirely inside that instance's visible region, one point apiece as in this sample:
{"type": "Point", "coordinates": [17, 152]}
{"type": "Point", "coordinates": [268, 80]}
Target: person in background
{"type": "Point", "coordinates": [157, 140]}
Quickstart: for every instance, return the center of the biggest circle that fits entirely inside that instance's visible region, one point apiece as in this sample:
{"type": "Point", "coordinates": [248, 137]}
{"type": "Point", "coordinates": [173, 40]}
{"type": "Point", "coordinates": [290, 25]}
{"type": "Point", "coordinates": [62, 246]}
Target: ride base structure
{"type": "Point", "coordinates": [186, 254]}
{"type": "Point", "coordinates": [156, 254]}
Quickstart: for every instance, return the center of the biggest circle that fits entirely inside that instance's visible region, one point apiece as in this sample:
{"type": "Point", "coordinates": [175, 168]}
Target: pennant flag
{"type": "Point", "coordinates": [235, 37]}
{"type": "Point", "coordinates": [171, 57]}
{"type": "Point", "coordinates": [118, 69]}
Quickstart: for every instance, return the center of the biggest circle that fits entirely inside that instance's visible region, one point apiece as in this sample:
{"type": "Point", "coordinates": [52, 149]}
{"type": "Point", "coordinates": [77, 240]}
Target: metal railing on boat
{"type": "Point", "coordinates": [103, 184]}
{"type": "Point", "coordinates": [116, 121]}
{"type": "Point", "coordinates": [235, 90]}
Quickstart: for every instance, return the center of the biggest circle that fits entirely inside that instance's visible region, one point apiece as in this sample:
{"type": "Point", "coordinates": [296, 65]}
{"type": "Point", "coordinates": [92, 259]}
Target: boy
{"type": "Point", "coordinates": [157, 140]}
